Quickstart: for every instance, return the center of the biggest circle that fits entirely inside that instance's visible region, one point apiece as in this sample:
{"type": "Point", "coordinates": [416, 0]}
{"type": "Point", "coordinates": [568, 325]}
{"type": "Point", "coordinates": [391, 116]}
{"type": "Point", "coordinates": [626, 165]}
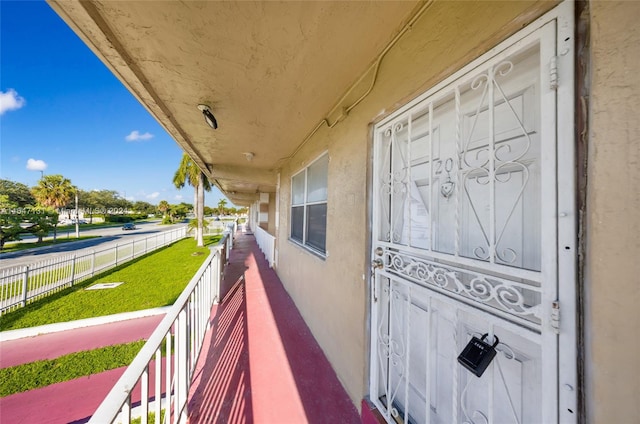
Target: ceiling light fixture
{"type": "Point", "coordinates": [208, 116]}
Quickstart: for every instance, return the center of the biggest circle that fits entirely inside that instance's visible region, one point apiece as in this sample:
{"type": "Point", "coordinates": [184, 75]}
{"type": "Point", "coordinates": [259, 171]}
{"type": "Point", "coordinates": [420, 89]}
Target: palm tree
{"type": "Point", "coordinates": [221, 206]}
{"type": "Point", "coordinates": [163, 207]}
{"type": "Point", "coordinates": [189, 173]}
{"type": "Point", "coordinates": [53, 191]}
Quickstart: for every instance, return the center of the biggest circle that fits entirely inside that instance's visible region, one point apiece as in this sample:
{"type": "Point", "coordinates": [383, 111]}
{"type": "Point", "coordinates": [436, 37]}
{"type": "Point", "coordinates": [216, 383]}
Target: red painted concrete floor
{"type": "Point", "coordinates": [260, 362]}
{"type": "Point", "coordinates": [54, 345]}
{"type": "Point", "coordinates": [72, 401]}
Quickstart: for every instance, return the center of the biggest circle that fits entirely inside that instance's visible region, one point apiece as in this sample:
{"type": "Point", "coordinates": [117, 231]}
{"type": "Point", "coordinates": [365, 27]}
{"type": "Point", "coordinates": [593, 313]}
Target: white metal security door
{"type": "Point", "coordinates": [465, 241]}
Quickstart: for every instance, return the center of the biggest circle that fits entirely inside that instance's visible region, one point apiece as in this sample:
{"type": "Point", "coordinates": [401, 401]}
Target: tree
{"type": "Point", "coordinates": [189, 173]}
{"type": "Point", "coordinates": [193, 225]}
{"type": "Point", "coordinates": [143, 207]}
{"type": "Point", "coordinates": [10, 220]}
{"type": "Point", "coordinates": [87, 203]}
{"type": "Point", "coordinates": [109, 202]}
{"type": "Point", "coordinates": [221, 206]}
{"type": "Point", "coordinates": [17, 193]}
{"type": "Point", "coordinates": [53, 191]}
{"type": "Point", "coordinates": [163, 207]}
{"type": "Point", "coordinates": [15, 220]}
{"type": "Point", "coordinates": [42, 221]}
{"type": "Point", "coordinates": [179, 211]}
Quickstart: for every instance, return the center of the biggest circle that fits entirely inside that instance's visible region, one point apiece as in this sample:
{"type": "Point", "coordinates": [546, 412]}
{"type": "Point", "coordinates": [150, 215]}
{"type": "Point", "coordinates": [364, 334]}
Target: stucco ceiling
{"type": "Point", "coordinates": [270, 71]}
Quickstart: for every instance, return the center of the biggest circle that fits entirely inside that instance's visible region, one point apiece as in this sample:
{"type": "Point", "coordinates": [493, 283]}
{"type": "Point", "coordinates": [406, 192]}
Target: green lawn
{"type": "Point", "coordinates": [22, 378]}
{"type": "Point", "coordinates": [14, 247]}
{"type": "Point", "coordinates": [151, 417]}
{"type": "Point", "coordinates": [150, 281]}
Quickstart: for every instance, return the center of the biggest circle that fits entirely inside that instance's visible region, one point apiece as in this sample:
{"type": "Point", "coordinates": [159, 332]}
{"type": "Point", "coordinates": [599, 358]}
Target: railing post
{"type": "Point", "coordinates": [126, 411]}
{"type": "Point", "coordinates": [25, 284]}
{"type": "Point", "coordinates": [221, 262]}
{"type": "Point", "coordinates": [158, 384]}
{"type": "Point", "coordinates": [168, 375]}
{"type": "Point", "coordinates": [93, 262]}
{"type": "Point", "coordinates": [212, 293]}
{"type": "Point", "coordinates": [182, 388]}
{"type": "Point", "coordinates": [133, 249]}
{"type": "Point", "coordinates": [116, 255]}
{"type": "Point", "coordinates": [144, 396]}
{"type": "Point", "coordinates": [145, 245]}
{"type": "Point", "coordinates": [73, 269]}
{"type": "Point", "coordinates": [216, 274]}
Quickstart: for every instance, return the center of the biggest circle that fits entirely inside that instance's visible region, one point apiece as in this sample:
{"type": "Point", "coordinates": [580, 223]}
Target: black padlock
{"type": "Point", "coordinates": [478, 354]}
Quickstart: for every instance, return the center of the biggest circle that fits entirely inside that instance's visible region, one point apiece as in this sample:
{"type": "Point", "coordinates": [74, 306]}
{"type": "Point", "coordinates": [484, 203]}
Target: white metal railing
{"type": "Point", "coordinates": [223, 227]}
{"type": "Point", "coordinates": [219, 227]}
{"type": "Point", "coordinates": [23, 284]}
{"type": "Point", "coordinates": [154, 384]}
{"type": "Point", "coordinates": [232, 227]}
{"type": "Point", "coordinates": [266, 243]}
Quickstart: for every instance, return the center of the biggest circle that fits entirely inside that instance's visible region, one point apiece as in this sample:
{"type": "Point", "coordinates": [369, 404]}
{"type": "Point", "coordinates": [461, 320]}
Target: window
{"type": "Point", "coordinates": [309, 205]}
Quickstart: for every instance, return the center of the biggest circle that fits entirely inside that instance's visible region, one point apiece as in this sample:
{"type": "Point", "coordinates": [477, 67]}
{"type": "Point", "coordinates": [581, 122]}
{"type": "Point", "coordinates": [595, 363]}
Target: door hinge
{"type": "Point", "coordinates": [553, 73]}
{"type": "Point", "coordinates": [555, 316]}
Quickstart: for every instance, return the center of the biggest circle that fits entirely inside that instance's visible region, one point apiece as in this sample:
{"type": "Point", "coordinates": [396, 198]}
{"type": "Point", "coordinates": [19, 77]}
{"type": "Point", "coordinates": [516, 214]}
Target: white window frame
{"type": "Point", "coordinates": [305, 205]}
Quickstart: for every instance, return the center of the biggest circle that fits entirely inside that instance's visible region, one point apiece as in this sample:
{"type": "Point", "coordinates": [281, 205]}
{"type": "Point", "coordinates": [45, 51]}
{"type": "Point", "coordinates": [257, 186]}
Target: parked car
{"type": "Point", "coordinates": [129, 226]}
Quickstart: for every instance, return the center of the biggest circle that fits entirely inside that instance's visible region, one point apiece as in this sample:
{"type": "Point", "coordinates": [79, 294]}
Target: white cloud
{"type": "Point", "coordinates": [10, 100]}
{"type": "Point", "coordinates": [36, 165]}
{"type": "Point", "coordinates": [153, 195]}
{"type": "Point", "coordinates": [136, 136]}
{"type": "Point", "coordinates": [178, 197]}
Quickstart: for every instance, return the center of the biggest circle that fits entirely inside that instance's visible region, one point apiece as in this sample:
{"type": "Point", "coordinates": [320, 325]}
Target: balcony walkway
{"type": "Point", "coordinates": [259, 361]}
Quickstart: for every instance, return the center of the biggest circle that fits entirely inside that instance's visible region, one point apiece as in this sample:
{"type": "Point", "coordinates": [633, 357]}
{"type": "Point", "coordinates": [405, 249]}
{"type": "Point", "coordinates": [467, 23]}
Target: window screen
{"type": "Point", "coordinates": [309, 205]}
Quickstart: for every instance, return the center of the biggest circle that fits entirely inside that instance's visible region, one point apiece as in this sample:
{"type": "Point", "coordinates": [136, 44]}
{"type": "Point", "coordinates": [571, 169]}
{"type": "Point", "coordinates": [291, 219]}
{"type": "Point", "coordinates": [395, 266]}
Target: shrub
{"type": "Point", "coordinates": [117, 218]}
{"type": "Point", "coordinates": [122, 219]}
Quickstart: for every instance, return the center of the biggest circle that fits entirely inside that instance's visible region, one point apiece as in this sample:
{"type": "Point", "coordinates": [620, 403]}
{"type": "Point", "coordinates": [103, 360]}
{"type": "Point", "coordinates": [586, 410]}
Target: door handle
{"type": "Point", "coordinates": [377, 264]}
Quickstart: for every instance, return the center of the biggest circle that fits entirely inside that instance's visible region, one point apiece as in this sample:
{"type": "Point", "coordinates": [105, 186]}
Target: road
{"type": "Point", "coordinates": [108, 237]}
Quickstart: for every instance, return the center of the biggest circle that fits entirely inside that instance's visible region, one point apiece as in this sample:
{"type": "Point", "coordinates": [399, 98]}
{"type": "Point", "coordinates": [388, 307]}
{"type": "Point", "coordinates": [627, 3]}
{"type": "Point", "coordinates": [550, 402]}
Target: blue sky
{"type": "Point", "coordinates": [62, 111]}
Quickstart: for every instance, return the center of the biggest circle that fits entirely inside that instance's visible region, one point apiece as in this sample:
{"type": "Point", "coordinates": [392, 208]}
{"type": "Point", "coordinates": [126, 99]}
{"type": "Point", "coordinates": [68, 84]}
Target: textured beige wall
{"type": "Point", "coordinates": [331, 293]}
{"type": "Point", "coordinates": [613, 216]}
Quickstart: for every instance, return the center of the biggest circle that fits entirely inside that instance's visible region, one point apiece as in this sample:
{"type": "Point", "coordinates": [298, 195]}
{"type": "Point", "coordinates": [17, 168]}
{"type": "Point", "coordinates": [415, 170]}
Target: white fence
{"type": "Point", "coordinates": [23, 284]}
{"type": "Point", "coordinates": [219, 227]}
{"type": "Point", "coordinates": [153, 383]}
{"type": "Point", "coordinates": [266, 243]}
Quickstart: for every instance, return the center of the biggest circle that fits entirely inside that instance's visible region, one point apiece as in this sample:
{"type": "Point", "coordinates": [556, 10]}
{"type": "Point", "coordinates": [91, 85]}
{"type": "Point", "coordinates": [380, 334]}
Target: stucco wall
{"type": "Point", "coordinates": [613, 216]}
{"type": "Point", "coordinates": [331, 292]}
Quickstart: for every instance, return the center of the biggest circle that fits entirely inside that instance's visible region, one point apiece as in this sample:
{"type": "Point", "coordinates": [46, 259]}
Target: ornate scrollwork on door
{"type": "Point", "coordinates": [392, 345]}
{"type": "Point", "coordinates": [514, 297]}
{"type": "Point", "coordinates": [394, 180]}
